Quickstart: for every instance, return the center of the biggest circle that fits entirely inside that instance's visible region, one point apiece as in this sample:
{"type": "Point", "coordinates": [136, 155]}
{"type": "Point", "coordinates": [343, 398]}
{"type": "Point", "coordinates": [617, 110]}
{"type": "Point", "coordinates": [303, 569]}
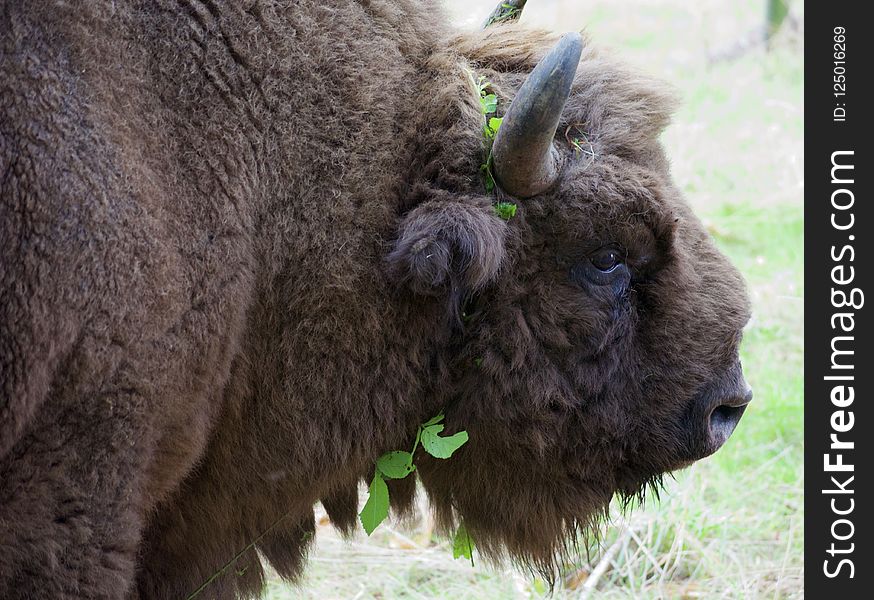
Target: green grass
{"type": "Point", "coordinates": [730, 526]}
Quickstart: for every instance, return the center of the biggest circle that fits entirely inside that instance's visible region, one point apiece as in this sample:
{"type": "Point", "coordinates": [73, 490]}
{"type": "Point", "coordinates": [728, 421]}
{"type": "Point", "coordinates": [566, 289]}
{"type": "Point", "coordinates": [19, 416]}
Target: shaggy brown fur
{"type": "Point", "coordinates": [236, 237]}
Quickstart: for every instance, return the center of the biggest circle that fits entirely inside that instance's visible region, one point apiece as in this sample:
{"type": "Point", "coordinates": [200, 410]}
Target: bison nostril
{"type": "Point", "coordinates": [724, 418]}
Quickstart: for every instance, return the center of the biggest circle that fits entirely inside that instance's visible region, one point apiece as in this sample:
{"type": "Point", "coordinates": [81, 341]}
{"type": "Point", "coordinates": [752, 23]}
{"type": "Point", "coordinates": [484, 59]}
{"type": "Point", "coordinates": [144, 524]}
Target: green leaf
{"type": "Point", "coordinates": [462, 544]}
{"type": "Point", "coordinates": [482, 84]}
{"type": "Point", "coordinates": [489, 103]}
{"type": "Point", "coordinates": [433, 421]}
{"type": "Point", "coordinates": [505, 210]}
{"type": "Point", "coordinates": [375, 509]}
{"type": "Point", "coordinates": [441, 447]}
{"type": "Point", "coordinates": [777, 11]}
{"type": "Point", "coordinates": [495, 124]}
{"type": "Point", "coordinates": [432, 429]}
{"type": "Point", "coordinates": [395, 465]}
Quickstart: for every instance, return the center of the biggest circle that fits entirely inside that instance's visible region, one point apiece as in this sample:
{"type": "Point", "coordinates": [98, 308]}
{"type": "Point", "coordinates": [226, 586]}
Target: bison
{"type": "Point", "coordinates": [248, 247]}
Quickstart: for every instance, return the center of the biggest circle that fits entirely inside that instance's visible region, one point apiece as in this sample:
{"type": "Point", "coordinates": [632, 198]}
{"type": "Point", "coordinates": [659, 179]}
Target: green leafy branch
{"type": "Point", "coordinates": [392, 465]}
{"type": "Point", "coordinates": [489, 106]}
{"type": "Point", "coordinates": [398, 464]}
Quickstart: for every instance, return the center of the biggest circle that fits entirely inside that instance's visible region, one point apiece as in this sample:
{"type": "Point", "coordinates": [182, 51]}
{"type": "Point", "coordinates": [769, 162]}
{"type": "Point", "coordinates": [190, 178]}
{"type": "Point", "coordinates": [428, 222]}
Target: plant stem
{"type": "Point", "coordinates": [228, 564]}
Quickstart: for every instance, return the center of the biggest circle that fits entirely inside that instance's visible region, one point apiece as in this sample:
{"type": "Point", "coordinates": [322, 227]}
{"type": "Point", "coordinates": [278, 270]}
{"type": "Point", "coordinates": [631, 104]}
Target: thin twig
{"type": "Point", "coordinates": [602, 566]}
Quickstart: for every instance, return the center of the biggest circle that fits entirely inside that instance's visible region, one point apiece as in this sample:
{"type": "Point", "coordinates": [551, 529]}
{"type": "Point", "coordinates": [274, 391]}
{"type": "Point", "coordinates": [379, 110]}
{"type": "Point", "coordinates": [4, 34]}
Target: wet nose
{"type": "Point", "coordinates": [725, 416]}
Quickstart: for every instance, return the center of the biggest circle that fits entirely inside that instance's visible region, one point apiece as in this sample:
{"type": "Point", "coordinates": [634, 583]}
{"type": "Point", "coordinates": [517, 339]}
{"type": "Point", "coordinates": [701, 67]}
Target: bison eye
{"type": "Point", "coordinates": [604, 266]}
{"type": "Point", "coordinates": [606, 259]}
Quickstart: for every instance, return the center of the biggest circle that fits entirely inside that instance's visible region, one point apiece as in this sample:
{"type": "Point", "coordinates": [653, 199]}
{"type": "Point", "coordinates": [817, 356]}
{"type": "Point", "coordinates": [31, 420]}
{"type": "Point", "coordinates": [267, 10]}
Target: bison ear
{"type": "Point", "coordinates": [453, 245]}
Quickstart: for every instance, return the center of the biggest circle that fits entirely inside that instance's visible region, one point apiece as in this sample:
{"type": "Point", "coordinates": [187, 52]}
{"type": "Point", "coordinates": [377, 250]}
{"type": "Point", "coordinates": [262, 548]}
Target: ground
{"type": "Point", "coordinates": [732, 525]}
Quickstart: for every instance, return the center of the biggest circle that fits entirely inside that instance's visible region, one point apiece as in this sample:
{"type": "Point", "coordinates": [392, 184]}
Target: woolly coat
{"type": "Point", "coordinates": [220, 302]}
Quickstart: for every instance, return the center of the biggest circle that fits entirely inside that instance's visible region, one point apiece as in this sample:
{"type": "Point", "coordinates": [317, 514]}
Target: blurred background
{"type": "Point", "coordinates": [731, 526]}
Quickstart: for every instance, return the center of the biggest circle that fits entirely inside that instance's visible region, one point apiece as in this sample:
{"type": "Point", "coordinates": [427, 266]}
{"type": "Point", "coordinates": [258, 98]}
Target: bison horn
{"type": "Point", "coordinates": [525, 162]}
{"type": "Point", "coordinates": [509, 10]}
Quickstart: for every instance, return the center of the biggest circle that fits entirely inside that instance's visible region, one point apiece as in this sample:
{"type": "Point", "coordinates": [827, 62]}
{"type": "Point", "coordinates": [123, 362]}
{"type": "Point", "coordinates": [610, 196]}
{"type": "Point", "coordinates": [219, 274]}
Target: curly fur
{"type": "Point", "coordinates": [236, 238]}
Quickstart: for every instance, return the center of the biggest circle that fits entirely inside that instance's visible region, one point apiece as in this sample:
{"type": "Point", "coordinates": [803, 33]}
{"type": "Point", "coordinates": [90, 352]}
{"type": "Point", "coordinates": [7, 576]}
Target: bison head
{"type": "Point", "coordinates": [596, 345]}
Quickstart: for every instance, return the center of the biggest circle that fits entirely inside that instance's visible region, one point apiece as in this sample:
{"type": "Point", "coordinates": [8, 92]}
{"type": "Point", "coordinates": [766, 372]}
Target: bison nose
{"type": "Point", "coordinates": [725, 416]}
{"type": "Point", "coordinates": [716, 410]}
